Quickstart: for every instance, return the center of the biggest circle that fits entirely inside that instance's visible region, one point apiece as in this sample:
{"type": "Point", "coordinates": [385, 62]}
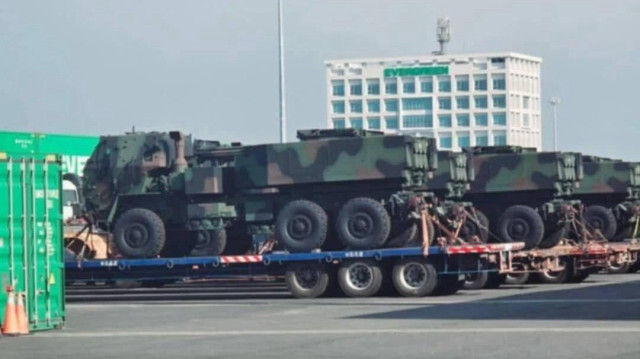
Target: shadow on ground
{"type": "Point", "coordinates": [619, 301]}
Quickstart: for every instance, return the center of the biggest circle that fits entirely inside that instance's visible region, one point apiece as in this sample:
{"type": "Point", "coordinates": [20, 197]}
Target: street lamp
{"type": "Point", "coordinates": [283, 121]}
{"type": "Point", "coordinates": [555, 101]}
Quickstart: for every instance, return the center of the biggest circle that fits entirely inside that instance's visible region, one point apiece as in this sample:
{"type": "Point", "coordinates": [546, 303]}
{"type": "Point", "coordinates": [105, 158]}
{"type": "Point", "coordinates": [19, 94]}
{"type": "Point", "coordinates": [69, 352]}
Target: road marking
{"type": "Point", "coordinates": [331, 332]}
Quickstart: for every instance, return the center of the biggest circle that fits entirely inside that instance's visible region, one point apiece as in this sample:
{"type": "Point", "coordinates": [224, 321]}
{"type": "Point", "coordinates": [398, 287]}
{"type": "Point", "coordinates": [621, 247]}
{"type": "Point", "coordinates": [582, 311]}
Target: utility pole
{"type": "Point", "coordinates": [554, 101]}
{"type": "Point", "coordinates": [283, 119]}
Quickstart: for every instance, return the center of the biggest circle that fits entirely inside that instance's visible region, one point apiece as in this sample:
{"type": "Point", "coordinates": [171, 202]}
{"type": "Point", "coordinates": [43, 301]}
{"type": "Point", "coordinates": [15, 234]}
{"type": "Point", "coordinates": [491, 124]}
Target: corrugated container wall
{"type": "Point", "coordinates": [31, 257]}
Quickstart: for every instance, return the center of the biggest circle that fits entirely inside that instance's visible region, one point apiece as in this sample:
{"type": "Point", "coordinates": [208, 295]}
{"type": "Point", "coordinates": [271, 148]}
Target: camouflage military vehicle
{"type": "Point", "coordinates": [526, 194]}
{"type": "Point", "coordinates": [140, 187]}
{"type": "Point", "coordinates": [359, 189]}
{"type": "Point", "coordinates": [611, 191]}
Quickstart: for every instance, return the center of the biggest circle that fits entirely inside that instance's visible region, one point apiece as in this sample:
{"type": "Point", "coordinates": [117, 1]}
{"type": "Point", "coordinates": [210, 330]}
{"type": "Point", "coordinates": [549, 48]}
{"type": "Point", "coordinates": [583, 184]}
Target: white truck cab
{"type": "Point", "coordinates": [70, 200]}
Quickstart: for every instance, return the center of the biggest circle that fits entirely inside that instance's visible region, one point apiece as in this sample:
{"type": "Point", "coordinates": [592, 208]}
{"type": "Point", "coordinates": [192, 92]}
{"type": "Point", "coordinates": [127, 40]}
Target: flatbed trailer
{"type": "Point", "coordinates": [413, 272]}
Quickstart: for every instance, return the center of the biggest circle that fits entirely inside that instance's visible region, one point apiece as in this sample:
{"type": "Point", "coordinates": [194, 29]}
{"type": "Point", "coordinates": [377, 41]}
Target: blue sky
{"type": "Point", "coordinates": [210, 67]}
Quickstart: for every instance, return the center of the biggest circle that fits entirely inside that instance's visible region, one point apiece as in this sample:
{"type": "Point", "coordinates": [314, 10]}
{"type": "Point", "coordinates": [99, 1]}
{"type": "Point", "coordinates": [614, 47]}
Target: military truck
{"type": "Point", "coordinates": [526, 194]}
{"type": "Point", "coordinates": [611, 191]}
{"type": "Point", "coordinates": [350, 188]}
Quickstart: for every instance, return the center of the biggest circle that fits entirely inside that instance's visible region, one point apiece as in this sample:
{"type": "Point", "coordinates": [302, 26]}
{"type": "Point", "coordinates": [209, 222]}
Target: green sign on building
{"type": "Point", "coordinates": [416, 71]}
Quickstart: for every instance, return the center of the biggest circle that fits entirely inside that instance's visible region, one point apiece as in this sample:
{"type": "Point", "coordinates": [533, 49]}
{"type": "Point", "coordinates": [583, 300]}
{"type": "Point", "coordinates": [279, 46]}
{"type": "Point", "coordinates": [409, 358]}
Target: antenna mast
{"type": "Point", "coordinates": [443, 33]}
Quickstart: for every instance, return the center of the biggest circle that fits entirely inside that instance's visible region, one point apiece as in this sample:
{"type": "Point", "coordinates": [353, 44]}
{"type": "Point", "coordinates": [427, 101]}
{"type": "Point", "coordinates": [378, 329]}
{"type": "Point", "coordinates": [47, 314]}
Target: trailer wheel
{"type": "Point", "coordinates": [139, 233]}
{"type": "Point", "coordinates": [517, 278]}
{"type": "Point", "coordinates": [415, 277]}
{"type": "Point", "coordinates": [521, 224]}
{"type": "Point", "coordinates": [556, 277]}
{"type": "Point", "coordinates": [495, 280]}
{"type": "Point", "coordinates": [554, 236]}
{"type": "Point", "coordinates": [476, 280]}
{"type": "Point", "coordinates": [307, 280]}
{"type": "Point", "coordinates": [402, 234]}
{"type": "Point", "coordinates": [579, 277]}
{"type": "Point", "coordinates": [301, 226]}
{"type": "Point", "coordinates": [208, 242]}
{"type": "Point", "coordinates": [448, 284]}
{"type": "Point", "coordinates": [363, 223]}
{"type": "Point", "coordinates": [615, 268]}
{"type": "Point", "coordinates": [625, 232]}
{"type": "Point", "coordinates": [360, 278]}
{"type": "Point", "coordinates": [477, 225]}
{"type": "Point", "coordinates": [601, 218]}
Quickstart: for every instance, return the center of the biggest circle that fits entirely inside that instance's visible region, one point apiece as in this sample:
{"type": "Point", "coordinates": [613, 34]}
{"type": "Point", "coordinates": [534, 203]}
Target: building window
{"type": "Point", "coordinates": [499, 82]}
{"type": "Point", "coordinates": [525, 120]}
{"type": "Point", "coordinates": [413, 121]}
{"type": "Point", "coordinates": [355, 106]}
{"type": "Point", "coordinates": [339, 123]}
{"type": "Point", "coordinates": [423, 103]}
{"type": "Point", "coordinates": [444, 120]}
{"type": "Point", "coordinates": [464, 140]}
{"type": "Point", "coordinates": [444, 103]}
{"type": "Point", "coordinates": [444, 84]}
{"type": "Point", "coordinates": [356, 122]}
{"type": "Point", "coordinates": [462, 83]}
{"type": "Point", "coordinates": [499, 101]}
{"type": "Point", "coordinates": [373, 86]}
{"type": "Point", "coordinates": [525, 102]}
{"type": "Point", "coordinates": [426, 85]}
{"type": "Point", "coordinates": [463, 119]}
{"type": "Point", "coordinates": [338, 72]}
{"type": "Point", "coordinates": [408, 85]}
{"type": "Point", "coordinates": [500, 118]}
{"type": "Point", "coordinates": [482, 139]}
{"type": "Point", "coordinates": [391, 122]}
{"type": "Point", "coordinates": [481, 119]}
{"type": "Point", "coordinates": [445, 141]}
{"type": "Point", "coordinates": [373, 105]}
{"type": "Point", "coordinates": [391, 86]}
{"type": "Point", "coordinates": [337, 88]}
{"type": "Point", "coordinates": [480, 101]}
{"type": "Point", "coordinates": [338, 106]}
{"type": "Point", "coordinates": [480, 82]}
{"type": "Point", "coordinates": [373, 123]}
{"type": "Point", "coordinates": [355, 87]}
{"type": "Point", "coordinates": [462, 102]}
{"type": "Point", "coordinates": [391, 105]}
{"type": "Point", "coordinates": [499, 138]}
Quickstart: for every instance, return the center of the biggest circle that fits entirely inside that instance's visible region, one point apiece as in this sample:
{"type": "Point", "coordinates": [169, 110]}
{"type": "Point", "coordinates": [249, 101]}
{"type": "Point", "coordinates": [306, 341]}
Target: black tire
{"type": "Point", "coordinates": [208, 243]}
{"type": "Point", "coordinates": [448, 284]}
{"type": "Point", "coordinates": [402, 234]}
{"type": "Point", "coordinates": [517, 278]}
{"type": "Point", "coordinates": [613, 268]}
{"type": "Point", "coordinates": [363, 223]}
{"type": "Point", "coordinates": [495, 280]}
{"type": "Point", "coordinates": [414, 277]}
{"type": "Point", "coordinates": [557, 277]}
{"type": "Point", "coordinates": [360, 278]}
{"type": "Point", "coordinates": [521, 224]}
{"type": "Point", "coordinates": [476, 225]}
{"type": "Point", "coordinates": [139, 233]}
{"type": "Point", "coordinates": [624, 233]}
{"type": "Point", "coordinates": [301, 226]}
{"type": "Point", "coordinates": [601, 218]}
{"type": "Point", "coordinates": [634, 267]}
{"type": "Point", "coordinates": [553, 237]}
{"type": "Point", "coordinates": [307, 280]}
{"type": "Point", "coordinates": [579, 277]}
{"type": "Point", "coordinates": [476, 280]}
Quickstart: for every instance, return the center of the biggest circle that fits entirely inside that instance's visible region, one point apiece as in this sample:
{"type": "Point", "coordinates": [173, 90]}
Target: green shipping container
{"type": "Point", "coordinates": [75, 150]}
{"type": "Point", "coordinates": [31, 239]}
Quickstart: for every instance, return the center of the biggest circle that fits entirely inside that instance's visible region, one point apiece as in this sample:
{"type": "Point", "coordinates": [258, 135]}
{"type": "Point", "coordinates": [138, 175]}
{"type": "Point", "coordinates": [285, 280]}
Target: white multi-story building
{"type": "Point", "coordinates": [462, 100]}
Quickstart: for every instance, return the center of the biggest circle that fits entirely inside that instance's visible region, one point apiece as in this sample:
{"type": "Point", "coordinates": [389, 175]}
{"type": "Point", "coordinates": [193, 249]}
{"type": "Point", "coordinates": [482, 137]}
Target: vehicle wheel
{"type": "Point", "coordinates": [615, 268]}
{"type": "Point", "coordinates": [402, 234]}
{"type": "Point", "coordinates": [495, 280]}
{"type": "Point", "coordinates": [448, 284]}
{"type": "Point", "coordinates": [517, 278]}
{"type": "Point", "coordinates": [363, 223]}
{"type": "Point", "coordinates": [477, 225]}
{"type": "Point", "coordinates": [634, 267]}
{"type": "Point", "coordinates": [307, 280]}
{"type": "Point", "coordinates": [521, 224]}
{"type": "Point", "coordinates": [139, 233]}
{"type": "Point", "coordinates": [414, 277]}
{"type": "Point", "coordinates": [208, 242]}
{"type": "Point", "coordinates": [301, 226]}
{"type": "Point", "coordinates": [554, 236]}
{"type": "Point", "coordinates": [579, 277]}
{"type": "Point", "coordinates": [475, 280]}
{"type": "Point", "coordinates": [624, 233]}
{"type": "Point", "coordinates": [599, 217]}
{"type": "Point", "coordinates": [360, 278]}
{"type": "Point", "coordinates": [556, 277]}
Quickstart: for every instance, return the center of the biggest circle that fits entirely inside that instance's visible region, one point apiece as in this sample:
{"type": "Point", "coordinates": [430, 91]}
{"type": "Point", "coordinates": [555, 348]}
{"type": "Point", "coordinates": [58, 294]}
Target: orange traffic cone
{"type": "Point", "coordinates": [10, 326]}
{"type": "Point", "coordinates": [21, 315]}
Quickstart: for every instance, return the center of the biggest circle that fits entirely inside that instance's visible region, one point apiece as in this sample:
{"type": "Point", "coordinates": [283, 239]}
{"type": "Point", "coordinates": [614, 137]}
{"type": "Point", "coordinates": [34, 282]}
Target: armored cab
{"type": "Point", "coordinates": [611, 191]}
{"type": "Point", "coordinates": [526, 194]}
{"type": "Point", "coordinates": [140, 187]}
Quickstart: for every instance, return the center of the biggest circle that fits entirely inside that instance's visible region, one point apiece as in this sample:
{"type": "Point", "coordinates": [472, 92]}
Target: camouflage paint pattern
{"type": "Point", "coordinates": [606, 176]}
{"type": "Point", "coordinates": [453, 174]}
